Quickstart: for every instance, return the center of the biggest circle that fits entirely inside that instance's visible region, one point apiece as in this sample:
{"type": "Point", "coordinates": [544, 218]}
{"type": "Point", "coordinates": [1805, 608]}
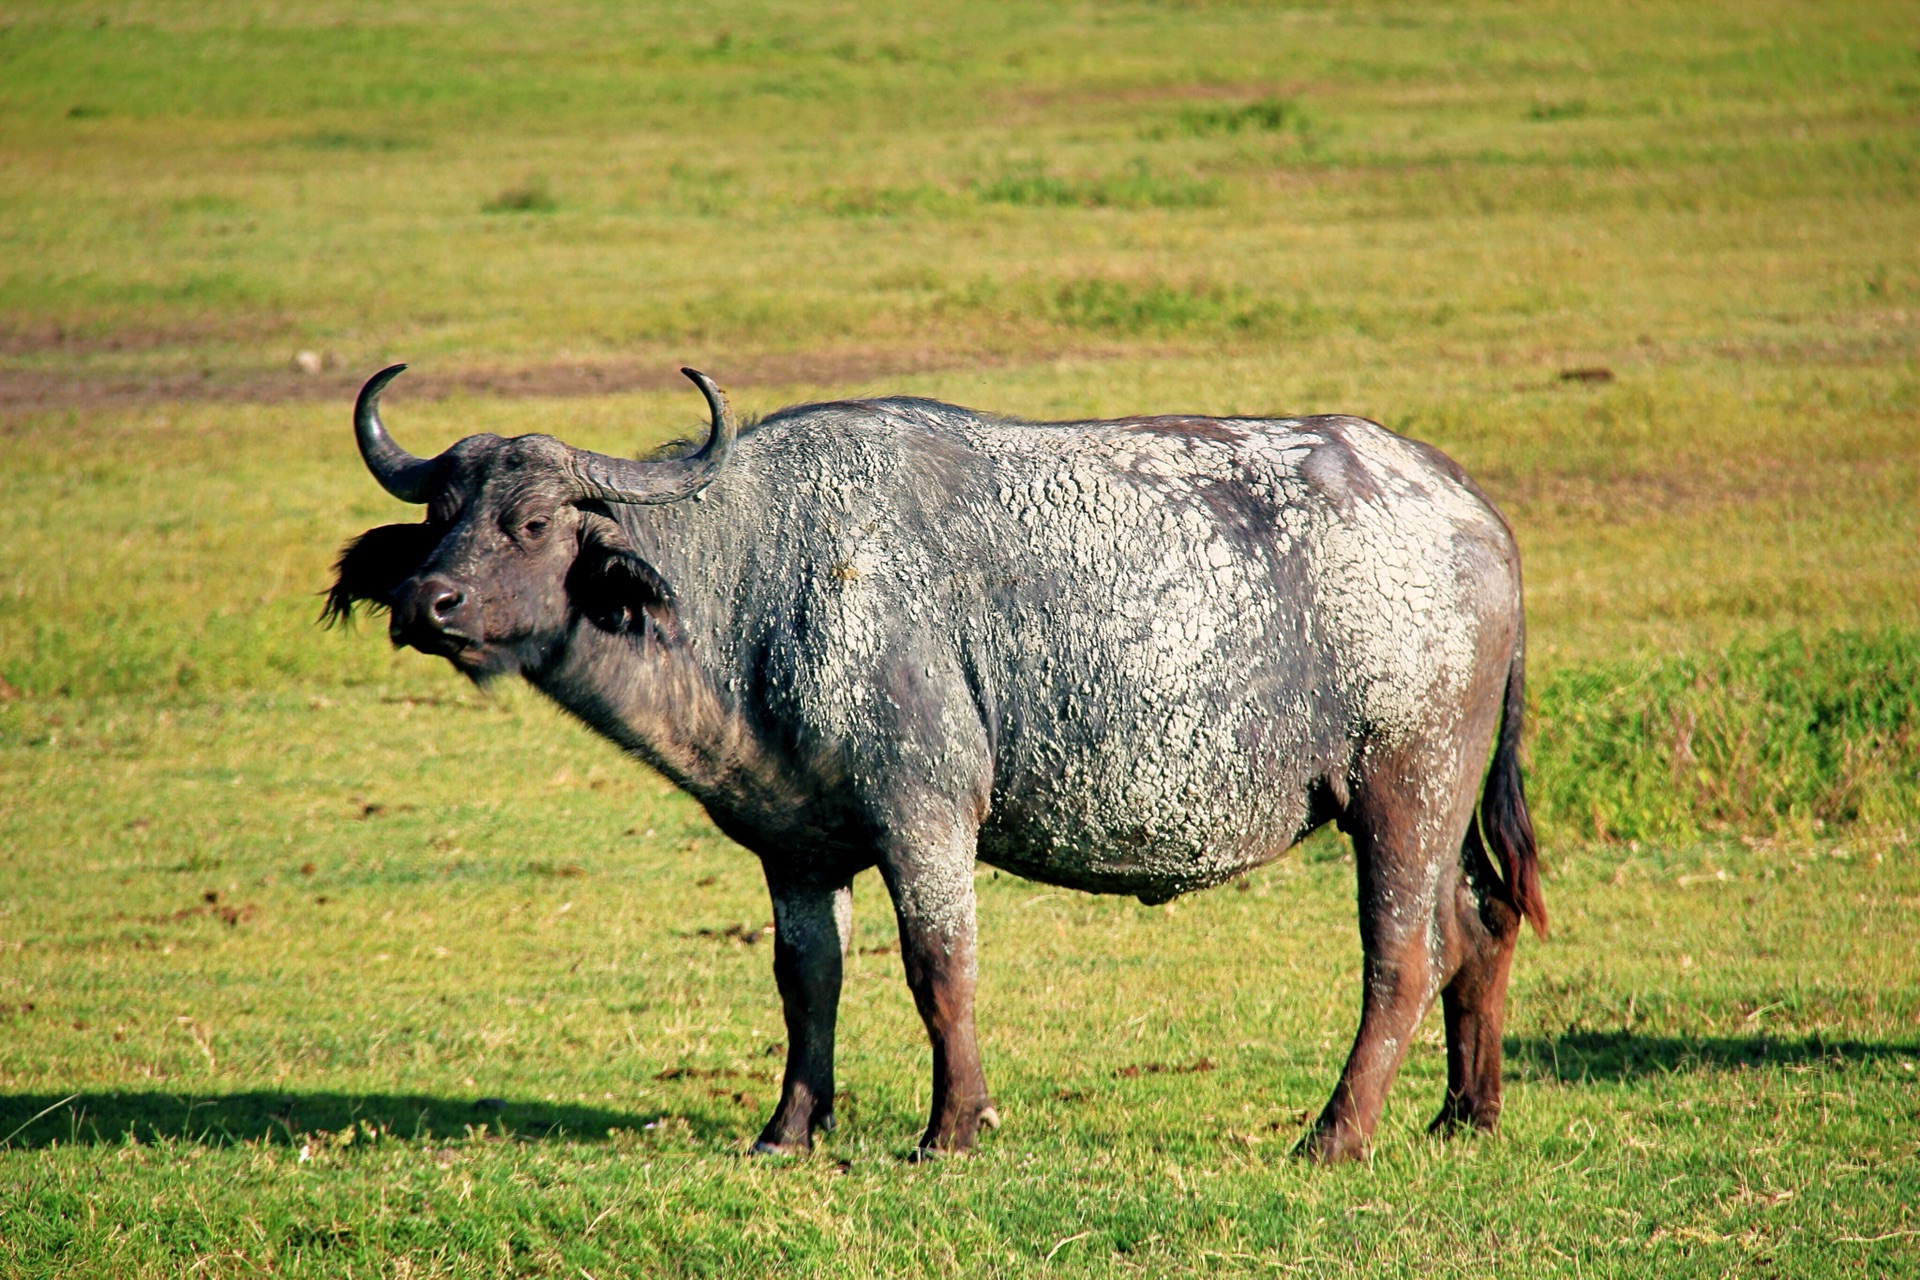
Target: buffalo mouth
{"type": "Point", "coordinates": [438, 642]}
{"type": "Point", "coordinates": [477, 660]}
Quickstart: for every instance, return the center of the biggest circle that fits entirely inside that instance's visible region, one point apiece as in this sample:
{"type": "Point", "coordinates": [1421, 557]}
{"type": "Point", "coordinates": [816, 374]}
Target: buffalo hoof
{"type": "Point", "coordinates": [1331, 1146]}
{"type": "Point", "coordinates": [779, 1139]}
{"type": "Point", "coordinates": [1458, 1118]}
{"type": "Point", "coordinates": [959, 1140]}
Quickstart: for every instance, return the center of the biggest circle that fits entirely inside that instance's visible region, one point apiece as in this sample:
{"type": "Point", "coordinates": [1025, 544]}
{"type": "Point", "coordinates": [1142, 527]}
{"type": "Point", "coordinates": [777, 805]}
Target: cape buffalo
{"type": "Point", "coordinates": [1139, 656]}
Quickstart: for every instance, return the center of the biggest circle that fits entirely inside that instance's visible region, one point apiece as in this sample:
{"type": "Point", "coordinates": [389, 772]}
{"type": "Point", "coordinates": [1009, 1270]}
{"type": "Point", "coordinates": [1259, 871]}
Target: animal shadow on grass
{"type": "Point", "coordinates": [40, 1120]}
{"type": "Point", "coordinates": [1626, 1055]}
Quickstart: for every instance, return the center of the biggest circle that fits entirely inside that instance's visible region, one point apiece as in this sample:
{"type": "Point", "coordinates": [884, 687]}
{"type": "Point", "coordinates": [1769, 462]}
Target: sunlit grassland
{"type": "Point", "coordinates": [460, 185]}
{"type": "Point", "coordinates": [320, 961]}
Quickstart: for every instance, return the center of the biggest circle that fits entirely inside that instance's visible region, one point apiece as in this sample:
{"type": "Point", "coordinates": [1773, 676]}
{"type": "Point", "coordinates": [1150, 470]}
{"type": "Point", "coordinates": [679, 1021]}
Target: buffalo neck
{"type": "Point", "coordinates": [673, 693]}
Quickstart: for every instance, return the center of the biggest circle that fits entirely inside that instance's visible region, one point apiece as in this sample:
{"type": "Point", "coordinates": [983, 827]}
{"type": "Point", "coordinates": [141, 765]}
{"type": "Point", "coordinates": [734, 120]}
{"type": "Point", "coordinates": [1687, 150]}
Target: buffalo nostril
{"type": "Point", "coordinates": [446, 602]}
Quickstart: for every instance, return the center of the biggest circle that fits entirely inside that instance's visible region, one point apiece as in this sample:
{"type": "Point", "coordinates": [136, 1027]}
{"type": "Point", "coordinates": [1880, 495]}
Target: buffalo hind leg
{"type": "Point", "coordinates": [1474, 1002]}
{"type": "Point", "coordinates": [932, 888]}
{"type": "Point", "coordinates": [811, 929]}
{"type": "Point", "coordinates": [1402, 871]}
{"type": "Point", "coordinates": [1395, 981]}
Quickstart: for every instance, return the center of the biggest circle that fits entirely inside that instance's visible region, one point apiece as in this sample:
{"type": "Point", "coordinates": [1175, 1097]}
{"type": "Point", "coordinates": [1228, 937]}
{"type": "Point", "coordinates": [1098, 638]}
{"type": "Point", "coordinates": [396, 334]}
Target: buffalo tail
{"type": "Point", "coordinates": [1503, 804]}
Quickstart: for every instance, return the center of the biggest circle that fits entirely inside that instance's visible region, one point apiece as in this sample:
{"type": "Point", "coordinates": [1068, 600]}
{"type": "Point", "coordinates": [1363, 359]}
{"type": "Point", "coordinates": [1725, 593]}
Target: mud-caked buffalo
{"type": "Point", "coordinates": [1139, 656]}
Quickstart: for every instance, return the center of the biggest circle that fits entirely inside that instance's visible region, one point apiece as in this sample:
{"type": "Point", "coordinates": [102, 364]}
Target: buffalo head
{"type": "Point", "coordinates": [517, 546]}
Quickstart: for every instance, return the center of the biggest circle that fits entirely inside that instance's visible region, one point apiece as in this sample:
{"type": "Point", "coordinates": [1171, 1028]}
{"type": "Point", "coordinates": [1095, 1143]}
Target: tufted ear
{"type": "Point", "coordinates": [613, 587]}
{"type": "Point", "coordinates": [373, 564]}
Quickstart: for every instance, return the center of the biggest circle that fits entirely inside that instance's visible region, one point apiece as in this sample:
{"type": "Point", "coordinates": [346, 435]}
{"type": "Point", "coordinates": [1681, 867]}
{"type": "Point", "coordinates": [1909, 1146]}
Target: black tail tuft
{"type": "Point", "coordinates": [1503, 804]}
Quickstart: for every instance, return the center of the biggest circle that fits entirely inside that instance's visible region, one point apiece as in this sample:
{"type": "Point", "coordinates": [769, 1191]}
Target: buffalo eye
{"type": "Point", "coordinates": [535, 529]}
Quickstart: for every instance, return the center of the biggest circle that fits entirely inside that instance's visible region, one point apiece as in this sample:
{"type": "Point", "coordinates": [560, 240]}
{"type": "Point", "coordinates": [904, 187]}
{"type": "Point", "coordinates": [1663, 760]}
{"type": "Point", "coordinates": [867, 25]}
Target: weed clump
{"type": "Point", "coordinates": [1136, 188]}
{"type": "Point", "coordinates": [531, 196]}
{"type": "Point", "coordinates": [890, 202]}
{"type": "Point", "coordinates": [1567, 109]}
{"type": "Point", "coordinates": [1277, 119]}
{"type": "Point", "coordinates": [1148, 307]}
{"type": "Point", "coordinates": [1162, 308]}
{"type": "Point", "coordinates": [1267, 115]}
{"type": "Point", "coordinates": [348, 140]}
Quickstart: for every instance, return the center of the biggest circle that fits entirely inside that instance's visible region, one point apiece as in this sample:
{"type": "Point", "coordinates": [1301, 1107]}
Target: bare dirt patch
{"type": "Point", "coordinates": [1083, 95]}
{"type": "Point", "coordinates": [27, 391]}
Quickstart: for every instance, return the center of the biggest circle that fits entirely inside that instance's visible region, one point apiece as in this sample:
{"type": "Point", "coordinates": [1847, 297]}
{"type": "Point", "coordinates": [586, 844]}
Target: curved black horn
{"type": "Point", "coordinates": [406, 477]}
{"type": "Point", "coordinates": [625, 480]}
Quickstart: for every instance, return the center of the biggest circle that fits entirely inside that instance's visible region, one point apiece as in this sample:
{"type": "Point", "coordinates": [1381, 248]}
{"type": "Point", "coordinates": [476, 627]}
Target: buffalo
{"type": "Point", "coordinates": [1140, 656]}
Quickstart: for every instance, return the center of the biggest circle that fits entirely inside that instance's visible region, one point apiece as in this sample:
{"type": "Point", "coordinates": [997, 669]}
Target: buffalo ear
{"type": "Point", "coordinates": [373, 565]}
{"type": "Point", "coordinates": [614, 588]}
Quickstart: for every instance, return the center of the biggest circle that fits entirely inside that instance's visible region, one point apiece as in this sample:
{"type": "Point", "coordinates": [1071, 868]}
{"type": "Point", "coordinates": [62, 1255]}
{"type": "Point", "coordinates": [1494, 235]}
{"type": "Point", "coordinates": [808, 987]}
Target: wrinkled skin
{"type": "Point", "coordinates": [1138, 657]}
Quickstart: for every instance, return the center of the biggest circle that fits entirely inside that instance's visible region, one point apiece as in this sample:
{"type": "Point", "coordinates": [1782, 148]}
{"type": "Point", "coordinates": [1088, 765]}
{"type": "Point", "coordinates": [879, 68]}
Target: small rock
{"type": "Point", "coordinates": [308, 362]}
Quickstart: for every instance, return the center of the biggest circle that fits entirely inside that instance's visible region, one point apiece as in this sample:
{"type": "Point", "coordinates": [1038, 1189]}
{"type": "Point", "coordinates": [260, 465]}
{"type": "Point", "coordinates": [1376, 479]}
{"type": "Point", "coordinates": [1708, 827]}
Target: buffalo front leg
{"type": "Point", "coordinates": [932, 888]}
{"type": "Point", "coordinates": [811, 929]}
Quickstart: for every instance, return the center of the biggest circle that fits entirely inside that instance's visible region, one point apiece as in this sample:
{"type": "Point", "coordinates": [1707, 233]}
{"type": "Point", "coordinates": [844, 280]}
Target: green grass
{"type": "Point", "coordinates": [1794, 737]}
{"type": "Point", "coordinates": [1139, 188]}
{"type": "Point", "coordinates": [319, 962]}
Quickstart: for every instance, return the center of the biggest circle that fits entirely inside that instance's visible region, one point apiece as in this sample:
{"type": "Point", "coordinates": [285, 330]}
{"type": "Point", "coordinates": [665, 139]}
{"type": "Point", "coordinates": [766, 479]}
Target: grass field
{"type": "Point", "coordinates": [315, 961]}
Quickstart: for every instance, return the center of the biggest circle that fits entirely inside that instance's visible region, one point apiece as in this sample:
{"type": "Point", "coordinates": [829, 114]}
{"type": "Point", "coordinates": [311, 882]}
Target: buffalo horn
{"type": "Point", "coordinates": [406, 477]}
{"type": "Point", "coordinates": [627, 480]}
